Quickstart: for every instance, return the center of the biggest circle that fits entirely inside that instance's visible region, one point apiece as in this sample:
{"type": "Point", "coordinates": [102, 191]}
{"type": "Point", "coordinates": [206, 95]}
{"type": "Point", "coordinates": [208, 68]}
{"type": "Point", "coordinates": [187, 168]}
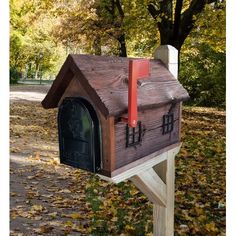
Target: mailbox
{"type": "Point", "coordinates": [115, 113]}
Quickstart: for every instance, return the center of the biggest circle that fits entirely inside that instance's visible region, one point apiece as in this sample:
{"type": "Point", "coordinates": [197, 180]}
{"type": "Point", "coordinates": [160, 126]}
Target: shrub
{"type": "Point", "coordinates": [202, 73]}
{"type": "Point", "coordinates": [14, 75]}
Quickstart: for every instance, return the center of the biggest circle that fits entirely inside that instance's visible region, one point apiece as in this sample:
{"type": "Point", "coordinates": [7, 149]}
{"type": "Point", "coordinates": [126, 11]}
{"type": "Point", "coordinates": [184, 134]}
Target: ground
{"type": "Point", "coordinates": [47, 198]}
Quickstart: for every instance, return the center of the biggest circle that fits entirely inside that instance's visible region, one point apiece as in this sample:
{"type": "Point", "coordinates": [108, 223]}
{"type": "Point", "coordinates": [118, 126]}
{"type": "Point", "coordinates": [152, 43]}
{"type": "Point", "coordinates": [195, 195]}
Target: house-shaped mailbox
{"type": "Point", "coordinates": [91, 93]}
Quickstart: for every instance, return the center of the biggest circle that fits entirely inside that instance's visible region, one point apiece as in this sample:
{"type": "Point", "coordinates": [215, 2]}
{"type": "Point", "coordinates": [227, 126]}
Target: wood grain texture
{"type": "Point", "coordinates": [105, 80]}
{"type": "Point", "coordinates": [153, 139]}
{"type": "Point", "coordinates": [110, 141]}
{"type": "Point", "coordinates": [142, 164]}
{"type": "Point", "coordinates": [152, 186]}
{"type": "Point", "coordinates": [159, 220]}
{"type": "Point", "coordinates": [163, 217]}
{"type": "Point", "coordinates": [170, 188]}
{"type": "Point", "coordinates": [180, 119]}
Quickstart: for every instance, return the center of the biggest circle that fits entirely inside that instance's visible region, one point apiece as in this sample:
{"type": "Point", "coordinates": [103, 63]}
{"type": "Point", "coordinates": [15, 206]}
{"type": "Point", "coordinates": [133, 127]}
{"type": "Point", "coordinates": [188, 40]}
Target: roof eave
{"type": "Point", "coordinates": [64, 77]}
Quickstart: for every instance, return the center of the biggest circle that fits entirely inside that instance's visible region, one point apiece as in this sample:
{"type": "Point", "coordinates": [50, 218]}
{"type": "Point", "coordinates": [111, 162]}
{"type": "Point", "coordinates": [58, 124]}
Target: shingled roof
{"type": "Point", "coordinates": [106, 81]}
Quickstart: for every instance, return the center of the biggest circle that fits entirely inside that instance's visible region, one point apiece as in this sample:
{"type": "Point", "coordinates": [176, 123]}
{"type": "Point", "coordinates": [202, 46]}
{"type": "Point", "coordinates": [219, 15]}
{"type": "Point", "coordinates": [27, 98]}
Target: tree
{"type": "Point", "coordinates": [202, 69]}
{"type": "Point", "coordinates": [93, 24]}
{"type": "Point", "coordinates": [111, 13]}
{"type": "Point", "coordinates": [113, 27]}
{"type": "Point", "coordinates": [175, 18]}
{"type": "Point", "coordinates": [32, 49]}
{"type": "Point", "coordinates": [202, 73]}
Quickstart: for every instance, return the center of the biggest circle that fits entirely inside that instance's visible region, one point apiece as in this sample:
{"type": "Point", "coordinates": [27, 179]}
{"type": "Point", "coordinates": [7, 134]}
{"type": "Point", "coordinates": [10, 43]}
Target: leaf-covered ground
{"type": "Point", "coordinates": [52, 199]}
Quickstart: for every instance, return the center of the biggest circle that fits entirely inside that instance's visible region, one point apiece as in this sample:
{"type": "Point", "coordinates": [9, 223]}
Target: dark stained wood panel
{"type": "Point", "coordinates": [143, 159]}
{"type": "Point", "coordinates": [153, 139]}
{"type": "Point", "coordinates": [105, 79]}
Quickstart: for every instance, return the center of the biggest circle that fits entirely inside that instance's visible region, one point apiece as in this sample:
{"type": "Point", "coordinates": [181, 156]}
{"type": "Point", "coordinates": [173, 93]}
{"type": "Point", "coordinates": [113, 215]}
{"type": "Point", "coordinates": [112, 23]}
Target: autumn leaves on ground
{"type": "Point", "coordinates": [52, 199]}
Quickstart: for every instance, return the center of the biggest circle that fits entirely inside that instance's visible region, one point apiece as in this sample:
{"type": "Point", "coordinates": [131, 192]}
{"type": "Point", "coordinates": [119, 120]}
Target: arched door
{"type": "Point", "coordinates": [79, 136]}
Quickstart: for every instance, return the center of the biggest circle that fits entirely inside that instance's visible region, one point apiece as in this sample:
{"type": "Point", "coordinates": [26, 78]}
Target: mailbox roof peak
{"type": "Point", "coordinates": [106, 81]}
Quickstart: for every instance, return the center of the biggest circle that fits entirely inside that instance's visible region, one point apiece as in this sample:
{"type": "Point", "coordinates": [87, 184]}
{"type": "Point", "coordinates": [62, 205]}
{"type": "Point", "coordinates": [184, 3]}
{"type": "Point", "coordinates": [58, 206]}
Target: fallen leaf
{"type": "Point", "coordinates": [114, 219]}
{"type": "Point", "coordinates": [74, 215]}
{"type": "Point", "coordinates": [44, 229]}
{"type": "Point", "coordinates": [211, 227]}
{"type": "Point", "coordinates": [65, 191]}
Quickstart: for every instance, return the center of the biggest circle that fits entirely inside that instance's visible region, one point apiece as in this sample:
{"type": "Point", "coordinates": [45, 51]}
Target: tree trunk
{"type": "Point", "coordinates": [122, 49]}
{"type": "Point", "coordinates": [36, 71]}
{"type": "Point", "coordinates": [175, 31]}
{"type": "Point", "coordinates": [97, 46]}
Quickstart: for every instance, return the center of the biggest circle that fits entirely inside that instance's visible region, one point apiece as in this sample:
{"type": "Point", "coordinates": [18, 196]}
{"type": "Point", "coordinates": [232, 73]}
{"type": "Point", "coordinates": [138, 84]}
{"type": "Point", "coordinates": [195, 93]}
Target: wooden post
{"type": "Point", "coordinates": [156, 179]}
{"type": "Point", "coordinates": [163, 217]}
{"type": "Point", "coordinates": [169, 56]}
{"type": "Point", "coordinates": [160, 193]}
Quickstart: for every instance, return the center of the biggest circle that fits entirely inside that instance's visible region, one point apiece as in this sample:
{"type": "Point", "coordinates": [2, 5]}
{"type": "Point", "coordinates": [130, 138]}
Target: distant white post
{"type": "Point", "coordinates": [169, 56]}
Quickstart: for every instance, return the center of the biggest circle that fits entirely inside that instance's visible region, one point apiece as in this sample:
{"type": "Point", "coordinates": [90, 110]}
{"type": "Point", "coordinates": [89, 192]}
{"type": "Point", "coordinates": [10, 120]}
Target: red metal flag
{"type": "Point", "coordinates": [138, 69]}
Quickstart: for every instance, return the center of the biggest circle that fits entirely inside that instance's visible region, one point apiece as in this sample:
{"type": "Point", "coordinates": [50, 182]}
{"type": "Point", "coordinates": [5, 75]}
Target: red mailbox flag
{"type": "Point", "coordinates": [138, 69]}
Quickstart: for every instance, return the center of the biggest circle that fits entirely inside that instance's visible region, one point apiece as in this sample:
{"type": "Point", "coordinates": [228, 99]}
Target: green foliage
{"type": "Point", "coordinates": [210, 27]}
{"type": "Point", "coordinates": [33, 51]}
{"type": "Point", "coordinates": [202, 64]}
{"type": "Point", "coordinates": [202, 73]}
{"type": "Point", "coordinates": [141, 34]}
{"type": "Point", "coordinates": [14, 75]}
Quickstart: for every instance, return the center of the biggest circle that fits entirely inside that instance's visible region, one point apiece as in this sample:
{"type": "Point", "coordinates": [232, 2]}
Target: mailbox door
{"type": "Point", "coordinates": [79, 134]}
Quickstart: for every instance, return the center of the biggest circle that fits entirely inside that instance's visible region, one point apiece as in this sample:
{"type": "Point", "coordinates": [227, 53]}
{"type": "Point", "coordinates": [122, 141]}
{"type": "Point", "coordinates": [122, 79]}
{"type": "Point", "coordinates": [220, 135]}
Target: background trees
{"type": "Point", "coordinates": [33, 51]}
{"type": "Point", "coordinates": [44, 32]}
{"type": "Point", "coordinates": [202, 68]}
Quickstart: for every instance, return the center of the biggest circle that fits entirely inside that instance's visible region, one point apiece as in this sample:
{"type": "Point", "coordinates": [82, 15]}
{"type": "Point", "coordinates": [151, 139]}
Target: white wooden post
{"type": "Point", "coordinates": [163, 217]}
{"type": "Point", "coordinates": [169, 56]}
{"type": "Point", "coordinates": [161, 193]}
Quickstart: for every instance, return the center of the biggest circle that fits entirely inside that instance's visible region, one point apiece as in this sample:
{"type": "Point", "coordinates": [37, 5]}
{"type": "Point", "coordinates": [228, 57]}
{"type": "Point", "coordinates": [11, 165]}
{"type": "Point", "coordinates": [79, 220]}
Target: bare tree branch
{"type": "Point", "coordinates": [119, 7]}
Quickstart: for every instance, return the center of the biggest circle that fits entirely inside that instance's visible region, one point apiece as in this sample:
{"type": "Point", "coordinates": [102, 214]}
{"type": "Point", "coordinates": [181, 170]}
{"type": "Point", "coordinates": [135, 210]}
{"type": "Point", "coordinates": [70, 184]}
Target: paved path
{"type": "Point", "coordinates": [43, 194]}
{"type": "Point", "coordinates": [36, 181]}
{"type": "Point", "coordinates": [28, 93]}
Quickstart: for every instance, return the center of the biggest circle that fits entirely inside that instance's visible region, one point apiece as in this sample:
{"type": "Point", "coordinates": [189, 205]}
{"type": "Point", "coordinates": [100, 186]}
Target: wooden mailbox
{"type": "Point", "coordinates": [93, 94]}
